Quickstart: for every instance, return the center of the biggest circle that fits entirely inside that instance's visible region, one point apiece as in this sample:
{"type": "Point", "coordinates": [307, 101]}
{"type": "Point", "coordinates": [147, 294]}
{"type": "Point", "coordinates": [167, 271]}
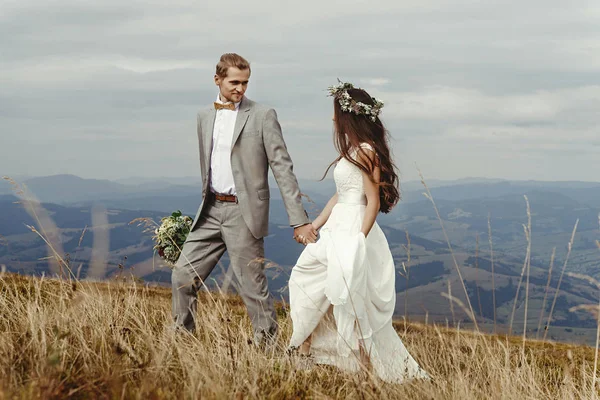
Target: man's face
{"type": "Point", "coordinates": [234, 85]}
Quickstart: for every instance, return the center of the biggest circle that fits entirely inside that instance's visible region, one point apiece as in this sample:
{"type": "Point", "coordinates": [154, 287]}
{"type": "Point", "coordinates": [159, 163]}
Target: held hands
{"type": "Point", "coordinates": [305, 234]}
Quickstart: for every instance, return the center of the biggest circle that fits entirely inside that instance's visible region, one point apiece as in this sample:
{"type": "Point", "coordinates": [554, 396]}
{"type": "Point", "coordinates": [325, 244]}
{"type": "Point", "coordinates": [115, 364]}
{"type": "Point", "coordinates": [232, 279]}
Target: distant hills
{"type": "Point", "coordinates": [464, 207]}
{"type": "Point", "coordinates": [69, 189]}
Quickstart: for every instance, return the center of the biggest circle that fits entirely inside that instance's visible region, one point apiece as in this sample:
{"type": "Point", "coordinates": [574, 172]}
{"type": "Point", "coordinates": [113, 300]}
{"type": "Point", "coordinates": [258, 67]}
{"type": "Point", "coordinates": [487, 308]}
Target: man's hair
{"type": "Point", "coordinates": [231, 60]}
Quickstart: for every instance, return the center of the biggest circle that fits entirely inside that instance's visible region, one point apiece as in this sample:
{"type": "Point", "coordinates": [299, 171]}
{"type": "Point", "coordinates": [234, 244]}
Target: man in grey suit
{"type": "Point", "coordinates": [238, 141]}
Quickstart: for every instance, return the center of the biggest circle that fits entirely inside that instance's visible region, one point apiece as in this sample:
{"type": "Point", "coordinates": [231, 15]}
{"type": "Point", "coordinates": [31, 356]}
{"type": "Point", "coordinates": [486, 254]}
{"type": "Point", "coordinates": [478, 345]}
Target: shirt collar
{"type": "Point", "coordinates": [237, 105]}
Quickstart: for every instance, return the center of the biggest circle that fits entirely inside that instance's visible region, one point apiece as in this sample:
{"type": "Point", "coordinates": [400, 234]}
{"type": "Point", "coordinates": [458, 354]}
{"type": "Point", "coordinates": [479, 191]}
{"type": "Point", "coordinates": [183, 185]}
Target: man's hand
{"type": "Point", "coordinates": [305, 234]}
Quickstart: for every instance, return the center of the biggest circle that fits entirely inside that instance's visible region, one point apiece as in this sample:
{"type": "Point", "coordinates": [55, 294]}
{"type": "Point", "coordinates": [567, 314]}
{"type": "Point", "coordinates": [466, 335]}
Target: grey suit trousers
{"type": "Point", "coordinates": [221, 227]}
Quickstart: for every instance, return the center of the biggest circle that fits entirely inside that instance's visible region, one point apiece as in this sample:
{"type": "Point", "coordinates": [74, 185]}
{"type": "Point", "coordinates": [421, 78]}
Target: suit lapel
{"type": "Point", "coordinates": [240, 121]}
{"type": "Point", "coordinates": [207, 133]}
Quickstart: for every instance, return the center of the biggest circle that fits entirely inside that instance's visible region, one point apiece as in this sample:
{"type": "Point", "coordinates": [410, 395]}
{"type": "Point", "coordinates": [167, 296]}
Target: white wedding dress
{"type": "Point", "coordinates": [342, 290]}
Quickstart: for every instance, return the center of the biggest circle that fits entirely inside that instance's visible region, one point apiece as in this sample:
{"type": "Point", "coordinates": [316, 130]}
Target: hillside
{"type": "Point", "coordinates": [100, 231]}
{"type": "Point", "coordinates": [113, 340]}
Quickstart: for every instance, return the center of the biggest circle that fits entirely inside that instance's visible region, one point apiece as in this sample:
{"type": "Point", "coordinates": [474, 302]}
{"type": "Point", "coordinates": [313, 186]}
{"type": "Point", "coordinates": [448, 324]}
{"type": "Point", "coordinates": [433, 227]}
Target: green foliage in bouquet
{"type": "Point", "coordinates": [170, 236]}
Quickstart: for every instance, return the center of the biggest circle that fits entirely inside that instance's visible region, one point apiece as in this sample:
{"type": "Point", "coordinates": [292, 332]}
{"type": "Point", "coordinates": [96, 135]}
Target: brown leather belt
{"type": "Point", "coordinates": [229, 198]}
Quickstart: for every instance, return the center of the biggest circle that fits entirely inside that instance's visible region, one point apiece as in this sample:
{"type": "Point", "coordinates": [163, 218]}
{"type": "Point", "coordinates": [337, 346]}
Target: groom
{"type": "Point", "coordinates": [238, 141]}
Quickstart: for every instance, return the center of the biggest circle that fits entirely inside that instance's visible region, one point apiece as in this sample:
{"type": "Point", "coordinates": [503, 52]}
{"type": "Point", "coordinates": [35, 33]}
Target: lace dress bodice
{"type": "Point", "coordinates": [347, 176]}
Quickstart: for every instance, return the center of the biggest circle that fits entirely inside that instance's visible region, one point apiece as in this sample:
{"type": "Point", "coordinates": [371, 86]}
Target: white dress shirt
{"type": "Point", "coordinates": [220, 165]}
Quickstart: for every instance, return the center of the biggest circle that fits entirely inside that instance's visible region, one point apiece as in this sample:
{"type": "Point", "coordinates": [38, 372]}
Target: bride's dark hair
{"type": "Point", "coordinates": [350, 130]}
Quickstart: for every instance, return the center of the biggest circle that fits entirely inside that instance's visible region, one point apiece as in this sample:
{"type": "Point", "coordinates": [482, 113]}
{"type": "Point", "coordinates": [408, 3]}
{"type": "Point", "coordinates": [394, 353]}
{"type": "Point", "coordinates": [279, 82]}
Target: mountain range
{"type": "Point", "coordinates": [467, 209]}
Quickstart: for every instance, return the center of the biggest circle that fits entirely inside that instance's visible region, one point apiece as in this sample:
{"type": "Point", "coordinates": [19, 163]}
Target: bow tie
{"type": "Point", "coordinates": [228, 106]}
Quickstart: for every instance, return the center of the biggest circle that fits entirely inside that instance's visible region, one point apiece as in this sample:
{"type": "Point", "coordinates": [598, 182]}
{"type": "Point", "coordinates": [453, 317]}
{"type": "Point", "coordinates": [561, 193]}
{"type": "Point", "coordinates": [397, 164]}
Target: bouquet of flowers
{"type": "Point", "coordinates": [170, 236]}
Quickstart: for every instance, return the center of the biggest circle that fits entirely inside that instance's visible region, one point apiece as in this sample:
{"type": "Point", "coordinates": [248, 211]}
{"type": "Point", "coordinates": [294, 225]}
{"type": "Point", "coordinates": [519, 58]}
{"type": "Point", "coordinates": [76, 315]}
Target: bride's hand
{"type": "Point", "coordinates": [314, 232]}
{"type": "Point", "coordinates": [305, 234]}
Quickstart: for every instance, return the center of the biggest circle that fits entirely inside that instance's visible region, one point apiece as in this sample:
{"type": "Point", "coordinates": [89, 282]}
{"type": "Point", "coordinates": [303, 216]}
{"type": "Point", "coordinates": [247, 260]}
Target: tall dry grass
{"type": "Point", "coordinates": [69, 338]}
{"type": "Point", "coordinates": [490, 240]}
{"type": "Point", "coordinates": [429, 196]}
{"type": "Point", "coordinates": [114, 340]}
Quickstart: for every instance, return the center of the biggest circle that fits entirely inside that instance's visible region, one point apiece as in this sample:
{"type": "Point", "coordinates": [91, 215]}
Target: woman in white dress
{"type": "Point", "coordinates": [342, 289]}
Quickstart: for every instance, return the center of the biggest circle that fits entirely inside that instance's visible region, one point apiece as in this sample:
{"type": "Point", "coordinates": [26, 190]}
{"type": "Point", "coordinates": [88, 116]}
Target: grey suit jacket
{"type": "Point", "coordinates": [257, 144]}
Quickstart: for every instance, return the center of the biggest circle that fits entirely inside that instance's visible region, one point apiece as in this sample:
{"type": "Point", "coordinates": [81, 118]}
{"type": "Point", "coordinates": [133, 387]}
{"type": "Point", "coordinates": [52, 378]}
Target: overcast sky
{"type": "Point", "coordinates": [110, 89]}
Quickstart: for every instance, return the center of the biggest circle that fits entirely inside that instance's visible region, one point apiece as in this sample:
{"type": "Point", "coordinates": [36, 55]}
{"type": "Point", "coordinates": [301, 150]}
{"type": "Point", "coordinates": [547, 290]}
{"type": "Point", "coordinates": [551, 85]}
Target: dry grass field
{"type": "Point", "coordinates": [81, 339]}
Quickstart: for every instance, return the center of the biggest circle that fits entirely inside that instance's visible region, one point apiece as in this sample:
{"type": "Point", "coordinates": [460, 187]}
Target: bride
{"type": "Point", "coordinates": [342, 290]}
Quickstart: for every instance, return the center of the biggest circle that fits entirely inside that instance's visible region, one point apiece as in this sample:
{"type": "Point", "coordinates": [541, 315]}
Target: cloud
{"type": "Point", "coordinates": [111, 88]}
{"type": "Point", "coordinates": [376, 81]}
{"type": "Point", "coordinates": [451, 103]}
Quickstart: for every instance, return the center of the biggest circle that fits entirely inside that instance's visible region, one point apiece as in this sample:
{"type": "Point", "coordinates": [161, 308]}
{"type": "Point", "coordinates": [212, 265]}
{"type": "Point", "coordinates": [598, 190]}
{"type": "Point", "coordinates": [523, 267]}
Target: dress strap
{"type": "Point", "coordinates": [364, 146]}
{"type": "Point", "coordinates": [367, 146]}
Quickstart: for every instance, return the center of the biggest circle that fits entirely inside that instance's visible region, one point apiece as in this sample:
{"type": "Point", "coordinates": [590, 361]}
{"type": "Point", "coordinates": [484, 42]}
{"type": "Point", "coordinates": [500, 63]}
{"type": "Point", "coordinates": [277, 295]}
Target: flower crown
{"type": "Point", "coordinates": [340, 92]}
